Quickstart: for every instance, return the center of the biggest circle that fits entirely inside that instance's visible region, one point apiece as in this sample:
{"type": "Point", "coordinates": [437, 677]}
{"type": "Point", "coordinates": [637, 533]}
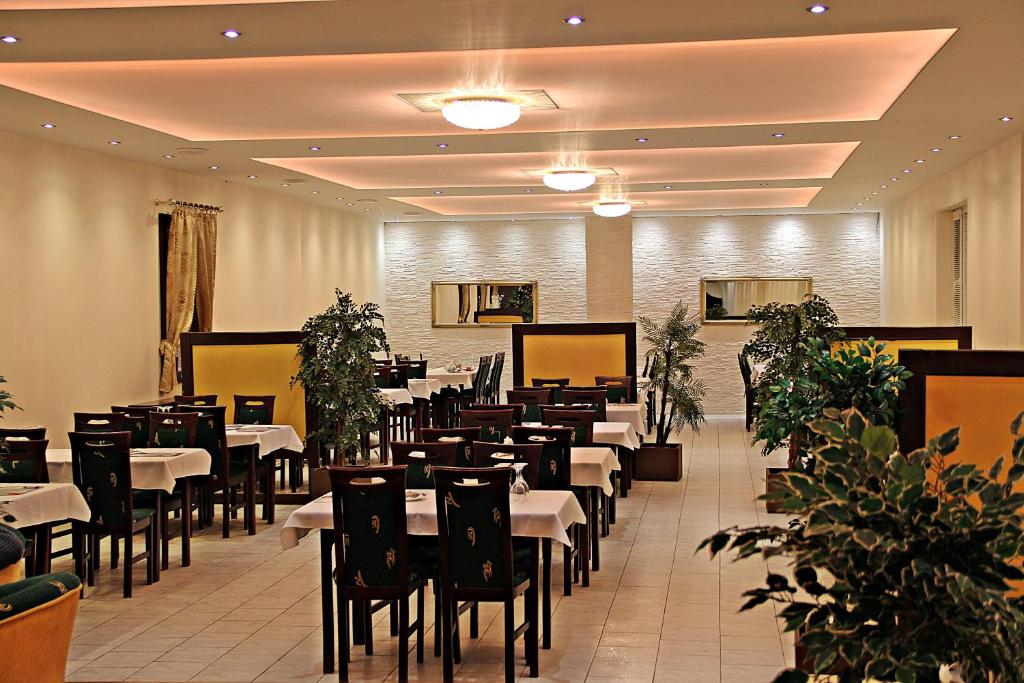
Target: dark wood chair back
{"type": "Point", "coordinates": [195, 400]}
{"type": "Point", "coordinates": [620, 388]}
{"type": "Point", "coordinates": [416, 369]}
{"type": "Point", "coordinates": [494, 384]}
{"type": "Point", "coordinates": [373, 562]}
{"type": "Point", "coordinates": [555, 466]}
{"type": "Point", "coordinates": [23, 461]}
{"type": "Point", "coordinates": [532, 399]}
{"type": "Point", "coordinates": [381, 375]}
{"type": "Point", "coordinates": [474, 532]}
{"type": "Point", "coordinates": [99, 422]}
{"type": "Point", "coordinates": [554, 383]}
{"type": "Point", "coordinates": [211, 435]}
{"type": "Point", "coordinates": [746, 371]}
{"type": "Point", "coordinates": [30, 433]}
{"type": "Point", "coordinates": [463, 437]}
{"type": "Point", "coordinates": [136, 421]}
{"type": "Point", "coordinates": [102, 471]}
{"type": "Point", "coordinates": [518, 409]}
{"type": "Point", "coordinates": [420, 458]}
{"type": "Point", "coordinates": [254, 410]}
{"type": "Point", "coordinates": [398, 376]}
{"type": "Point", "coordinates": [487, 454]}
{"type": "Point", "coordinates": [582, 422]}
{"type": "Point", "coordinates": [597, 399]}
{"type": "Point", "coordinates": [494, 425]}
{"type": "Point", "coordinates": [173, 430]}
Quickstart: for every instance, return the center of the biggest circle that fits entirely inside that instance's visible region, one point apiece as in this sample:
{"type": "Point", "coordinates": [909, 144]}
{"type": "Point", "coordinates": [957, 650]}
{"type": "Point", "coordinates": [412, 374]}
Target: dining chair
{"type": "Point", "coordinates": [99, 422]}
{"type": "Point", "coordinates": [620, 388]}
{"type": "Point", "coordinates": [102, 471]}
{"type": "Point", "coordinates": [30, 433]}
{"type": "Point", "coordinates": [474, 531]}
{"type": "Point", "coordinates": [555, 384]}
{"type": "Point", "coordinates": [494, 383]}
{"type": "Point", "coordinates": [37, 625]}
{"type": "Point", "coordinates": [254, 410]}
{"type": "Point", "coordinates": [580, 419]}
{"type": "Point", "coordinates": [488, 454]}
{"type": "Point", "coordinates": [416, 369]}
{"type": "Point", "coordinates": [494, 425]}
{"type": "Point", "coordinates": [477, 392]}
{"type": "Point", "coordinates": [374, 561]}
{"type": "Point", "coordinates": [596, 398]}
{"type": "Point", "coordinates": [172, 430]}
{"type": "Point", "coordinates": [195, 400]}
{"type": "Point", "coordinates": [532, 398]}
{"type": "Point", "coordinates": [463, 436]}
{"type": "Point", "coordinates": [23, 461]}
{"type": "Point", "coordinates": [420, 459]}
{"type": "Point", "coordinates": [746, 373]}
{"type": "Point", "coordinates": [518, 409]}
{"type": "Point", "coordinates": [136, 422]}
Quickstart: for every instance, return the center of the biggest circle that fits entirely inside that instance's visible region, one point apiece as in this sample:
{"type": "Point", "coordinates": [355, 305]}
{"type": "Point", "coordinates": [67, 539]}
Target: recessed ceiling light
{"type": "Point", "coordinates": [314, 191]}
{"type": "Point", "coordinates": [875, 192]}
{"type": "Point", "coordinates": [10, 40]}
{"type": "Point", "coordinates": [441, 145]}
{"type": "Point", "coordinates": [883, 186]}
{"type": "Point", "coordinates": [529, 189]}
{"type": "Point", "coordinates": [438, 192]}
{"type": "Point", "coordinates": [49, 125]}
{"type": "Point", "coordinates": [231, 33]}
{"type": "Point", "coordinates": [574, 20]}
{"type": "Point", "coordinates": [860, 203]}
{"type": "Point", "coordinates": [367, 209]}
{"type": "Point", "coordinates": [214, 168]}
{"type": "Point", "coordinates": [906, 170]}
{"type": "Point", "coordinates": [954, 137]}
{"type": "Point", "coordinates": [763, 184]}
{"type": "Point", "coordinates": [642, 139]}
{"type": "Point", "coordinates": [349, 204]}
{"type": "Point", "coordinates": [251, 177]}
{"type": "Point", "coordinates": [1006, 119]}
{"type": "Point", "coordinates": [818, 9]}
{"type": "Point", "coordinates": [168, 156]}
{"type": "Point", "coordinates": [936, 149]}
{"type": "Point", "coordinates": [314, 148]}
{"type": "Point", "coordinates": [668, 187]}
{"type": "Point", "coordinates": [778, 135]}
{"type": "Point", "coordinates": [894, 179]}
{"type": "Point", "coordinates": [284, 185]}
{"type": "Point", "coordinates": [918, 161]}
{"type": "Point", "coordinates": [113, 142]}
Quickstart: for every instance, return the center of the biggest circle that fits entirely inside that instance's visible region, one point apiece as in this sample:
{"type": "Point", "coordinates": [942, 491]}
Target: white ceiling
{"type": "Point", "coordinates": [698, 78]}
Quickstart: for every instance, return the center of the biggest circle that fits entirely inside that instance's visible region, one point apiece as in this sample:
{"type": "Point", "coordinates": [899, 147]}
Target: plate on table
{"type": "Point", "coordinates": [411, 496]}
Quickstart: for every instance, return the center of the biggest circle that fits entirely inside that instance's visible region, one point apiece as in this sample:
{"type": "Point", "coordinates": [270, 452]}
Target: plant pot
{"type": "Point", "coordinates": [772, 482]}
{"type": "Point", "coordinates": [659, 463]}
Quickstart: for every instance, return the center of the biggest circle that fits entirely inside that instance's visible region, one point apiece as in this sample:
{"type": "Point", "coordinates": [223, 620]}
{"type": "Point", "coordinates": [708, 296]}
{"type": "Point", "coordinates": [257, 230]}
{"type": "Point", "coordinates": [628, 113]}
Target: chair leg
{"type": "Point", "coordinates": [457, 634]}
{"type": "Point", "coordinates": [546, 579]}
{"type": "Point", "coordinates": [510, 641]}
{"type": "Point", "coordinates": [393, 617]}
{"type": "Point", "coordinates": [343, 644]}
{"type": "Point", "coordinates": [367, 617]}
{"type": "Point", "coordinates": [474, 620]}
{"type": "Point", "coordinates": [115, 548]}
{"type": "Point", "coordinates": [226, 510]}
{"type": "Point", "coordinates": [567, 564]}
{"type": "Point", "coordinates": [421, 619]}
{"type": "Point", "coordinates": [532, 651]}
{"type": "Point", "coordinates": [128, 554]}
{"type": "Point", "coordinates": [96, 551]}
{"type": "Point", "coordinates": [447, 667]}
{"type": "Point", "coordinates": [151, 541]}
{"type": "Point", "coordinates": [403, 639]}
{"type": "Point", "coordinates": [165, 540]}
{"type": "Point", "coordinates": [438, 621]}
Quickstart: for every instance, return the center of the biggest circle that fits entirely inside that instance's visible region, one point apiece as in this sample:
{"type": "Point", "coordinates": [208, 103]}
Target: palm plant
{"type": "Point", "coordinates": [6, 400]}
{"type": "Point", "coordinates": [337, 372]}
{"type": "Point", "coordinates": [672, 346]}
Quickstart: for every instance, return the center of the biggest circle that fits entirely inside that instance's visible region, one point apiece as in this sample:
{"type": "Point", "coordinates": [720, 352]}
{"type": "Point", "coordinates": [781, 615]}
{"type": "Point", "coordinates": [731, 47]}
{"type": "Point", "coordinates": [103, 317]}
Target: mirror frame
{"type": "Point", "coordinates": [500, 283]}
{"type": "Point", "coordinates": [743, 321]}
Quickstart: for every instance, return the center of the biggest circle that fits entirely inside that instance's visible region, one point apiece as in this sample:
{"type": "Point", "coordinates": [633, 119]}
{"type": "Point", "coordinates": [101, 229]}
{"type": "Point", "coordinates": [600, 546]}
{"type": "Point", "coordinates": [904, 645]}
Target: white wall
{"type": "Point", "coordinates": [672, 254]}
{"type": "Point", "coordinates": [79, 314]}
{"type": "Point", "coordinates": [552, 252]}
{"type": "Point", "coordinates": [990, 186]}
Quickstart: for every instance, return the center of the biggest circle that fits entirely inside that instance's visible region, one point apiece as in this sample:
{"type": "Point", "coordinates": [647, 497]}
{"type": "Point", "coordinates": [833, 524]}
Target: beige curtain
{"type": "Point", "coordinates": [191, 265]}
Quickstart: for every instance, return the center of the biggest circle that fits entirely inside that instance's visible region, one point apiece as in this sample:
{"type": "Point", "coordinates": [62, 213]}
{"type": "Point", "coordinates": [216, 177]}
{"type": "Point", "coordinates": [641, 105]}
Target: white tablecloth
{"type": "Point", "coordinates": [538, 514]}
{"type": "Point", "coordinates": [453, 379]}
{"type": "Point", "coordinates": [424, 388]}
{"type": "Point", "coordinates": [616, 434]}
{"type": "Point", "coordinates": [593, 466]}
{"type": "Point", "coordinates": [396, 396]}
{"type": "Point", "coordinates": [633, 413]}
{"type": "Point", "coordinates": [152, 468]}
{"type": "Point", "coordinates": [269, 437]}
{"type": "Point", "coordinates": [24, 505]}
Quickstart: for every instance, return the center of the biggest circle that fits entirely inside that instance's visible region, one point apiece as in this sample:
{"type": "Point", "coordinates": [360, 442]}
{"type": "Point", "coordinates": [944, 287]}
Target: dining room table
{"type": "Point", "coordinates": [633, 413]}
{"type": "Point", "coordinates": [152, 469]}
{"type": "Point", "coordinates": [453, 378]}
{"type": "Point", "coordinates": [535, 515]}
{"type": "Point", "coordinates": [266, 442]}
{"type": "Point", "coordinates": [34, 507]}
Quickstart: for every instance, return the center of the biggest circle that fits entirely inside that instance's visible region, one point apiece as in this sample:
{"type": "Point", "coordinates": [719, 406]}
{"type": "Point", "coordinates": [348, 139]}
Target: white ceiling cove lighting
{"type": "Point", "coordinates": [612, 209]}
{"type": "Point", "coordinates": [569, 180]}
{"type": "Point", "coordinates": [481, 112]}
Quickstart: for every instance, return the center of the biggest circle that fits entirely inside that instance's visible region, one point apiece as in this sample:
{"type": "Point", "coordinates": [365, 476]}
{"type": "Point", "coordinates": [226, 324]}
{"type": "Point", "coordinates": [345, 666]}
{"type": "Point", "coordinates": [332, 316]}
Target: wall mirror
{"type": "Point", "coordinates": [483, 304]}
{"type": "Point", "coordinates": [728, 299]}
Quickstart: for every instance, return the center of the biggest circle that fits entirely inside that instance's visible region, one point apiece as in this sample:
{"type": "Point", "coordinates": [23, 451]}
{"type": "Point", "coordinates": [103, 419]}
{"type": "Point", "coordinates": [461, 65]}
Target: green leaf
{"type": "Point", "coordinates": [879, 441]}
{"type": "Point", "coordinates": [866, 538]}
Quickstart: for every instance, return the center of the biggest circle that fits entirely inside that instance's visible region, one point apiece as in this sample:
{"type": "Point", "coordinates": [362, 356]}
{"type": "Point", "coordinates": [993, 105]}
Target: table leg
{"type": "Point", "coordinates": [186, 522]}
{"type": "Point", "coordinates": [623, 453]}
{"type": "Point", "coordinates": [327, 596]}
{"type": "Point", "coordinates": [270, 490]}
{"type": "Point", "coordinates": [584, 549]}
{"type": "Point", "coordinates": [532, 652]}
{"type": "Point", "coordinates": [250, 499]}
{"type": "Point", "coordinates": [606, 517]}
{"type": "Point", "coordinates": [158, 542]}
{"type": "Point", "coordinates": [385, 426]}
{"type": "Point", "coordinates": [546, 596]}
{"type": "Point", "coordinates": [595, 530]}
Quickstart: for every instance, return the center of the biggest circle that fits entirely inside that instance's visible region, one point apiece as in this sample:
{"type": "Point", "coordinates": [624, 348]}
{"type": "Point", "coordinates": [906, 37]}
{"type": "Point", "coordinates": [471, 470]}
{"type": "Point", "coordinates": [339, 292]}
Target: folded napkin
{"type": "Point", "coordinates": [540, 438]}
{"type": "Point", "coordinates": [417, 454]}
{"type": "Point", "coordinates": [503, 456]}
{"type": "Point", "coordinates": [451, 439]}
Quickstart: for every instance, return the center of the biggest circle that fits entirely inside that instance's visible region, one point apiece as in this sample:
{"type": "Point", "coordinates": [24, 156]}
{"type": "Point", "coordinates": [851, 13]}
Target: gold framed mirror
{"type": "Point", "coordinates": [491, 303]}
{"type": "Point", "coordinates": [727, 299]}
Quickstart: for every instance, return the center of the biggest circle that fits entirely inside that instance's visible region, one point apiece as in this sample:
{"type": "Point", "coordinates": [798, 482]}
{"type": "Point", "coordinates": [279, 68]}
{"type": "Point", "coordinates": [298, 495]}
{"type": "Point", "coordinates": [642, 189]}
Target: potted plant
{"type": "Point", "coordinates": [672, 346]}
{"type": "Point", "coordinates": [901, 563]}
{"type": "Point", "coordinates": [6, 403]}
{"type": "Point", "coordinates": [337, 372]}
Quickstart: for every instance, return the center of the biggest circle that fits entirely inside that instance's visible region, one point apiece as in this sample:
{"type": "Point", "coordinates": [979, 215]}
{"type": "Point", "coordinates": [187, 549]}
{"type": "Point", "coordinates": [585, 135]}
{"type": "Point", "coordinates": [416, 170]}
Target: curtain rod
{"type": "Point", "coordinates": [191, 205]}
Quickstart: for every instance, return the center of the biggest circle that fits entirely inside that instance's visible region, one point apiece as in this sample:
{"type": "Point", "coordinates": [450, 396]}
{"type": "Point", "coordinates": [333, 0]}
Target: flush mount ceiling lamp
{"type": "Point", "coordinates": [570, 180]}
{"type": "Point", "coordinates": [612, 209]}
{"type": "Point", "coordinates": [481, 112]}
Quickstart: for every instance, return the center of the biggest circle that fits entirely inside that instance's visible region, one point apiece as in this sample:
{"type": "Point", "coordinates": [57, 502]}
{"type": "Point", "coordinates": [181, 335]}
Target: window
{"type": "Point", "coordinates": [959, 266]}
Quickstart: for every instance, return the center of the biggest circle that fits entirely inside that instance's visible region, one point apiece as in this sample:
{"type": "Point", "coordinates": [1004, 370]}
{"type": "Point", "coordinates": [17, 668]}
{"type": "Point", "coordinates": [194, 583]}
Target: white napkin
{"type": "Point", "coordinates": [450, 439]}
{"type": "Point", "coordinates": [503, 456]}
{"type": "Point", "coordinates": [508, 441]}
{"type": "Point", "coordinates": [538, 437]}
{"type": "Point", "coordinates": [417, 454]}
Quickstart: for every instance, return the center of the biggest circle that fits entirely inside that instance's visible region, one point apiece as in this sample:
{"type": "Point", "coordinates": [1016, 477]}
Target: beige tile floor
{"type": "Point", "coordinates": [248, 611]}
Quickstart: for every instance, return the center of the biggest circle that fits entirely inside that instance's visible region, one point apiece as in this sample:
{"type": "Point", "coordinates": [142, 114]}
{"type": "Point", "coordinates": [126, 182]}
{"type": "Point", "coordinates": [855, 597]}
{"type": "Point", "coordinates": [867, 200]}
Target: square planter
{"type": "Point", "coordinates": [659, 463]}
{"type": "Point", "coordinates": [772, 480]}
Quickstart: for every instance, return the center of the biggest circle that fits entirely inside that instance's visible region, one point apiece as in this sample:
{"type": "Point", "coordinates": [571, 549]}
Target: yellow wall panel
{"type": "Point", "coordinates": [580, 357]}
{"type": "Point", "coordinates": [893, 346]}
{"type": "Point", "coordinates": [252, 369]}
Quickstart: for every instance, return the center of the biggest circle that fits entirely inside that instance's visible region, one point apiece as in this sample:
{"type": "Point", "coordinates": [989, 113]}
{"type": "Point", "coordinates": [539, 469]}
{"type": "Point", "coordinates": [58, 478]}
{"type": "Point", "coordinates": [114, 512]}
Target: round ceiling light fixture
{"type": "Point", "coordinates": [481, 112]}
{"type": "Point", "coordinates": [10, 40]}
{"type": "Point", "coordinates": [574, 20]}
{"type": "Point", "coordinates": [818, 8]}
{"type": "Point", "coordinates": [569, 180]}
{"type": "Point", "coordinates": [231, 33]}
{"type": "Point", "coordinates": [612, 209]}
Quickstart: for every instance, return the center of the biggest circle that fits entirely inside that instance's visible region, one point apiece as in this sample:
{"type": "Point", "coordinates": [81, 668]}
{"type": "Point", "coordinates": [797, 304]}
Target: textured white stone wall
{"type": "Point", "coordinates": [671, 255]}
{"type": "Point", "coordinates": [552, 252]}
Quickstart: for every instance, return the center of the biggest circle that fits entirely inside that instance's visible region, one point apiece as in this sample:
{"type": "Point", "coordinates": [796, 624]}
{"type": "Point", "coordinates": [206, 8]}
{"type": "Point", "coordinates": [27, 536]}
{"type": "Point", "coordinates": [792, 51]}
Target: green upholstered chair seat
{"type": "Point", "coordinates": [21, 596]}
{"type": "Point", "coordinates": [139, 514]}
